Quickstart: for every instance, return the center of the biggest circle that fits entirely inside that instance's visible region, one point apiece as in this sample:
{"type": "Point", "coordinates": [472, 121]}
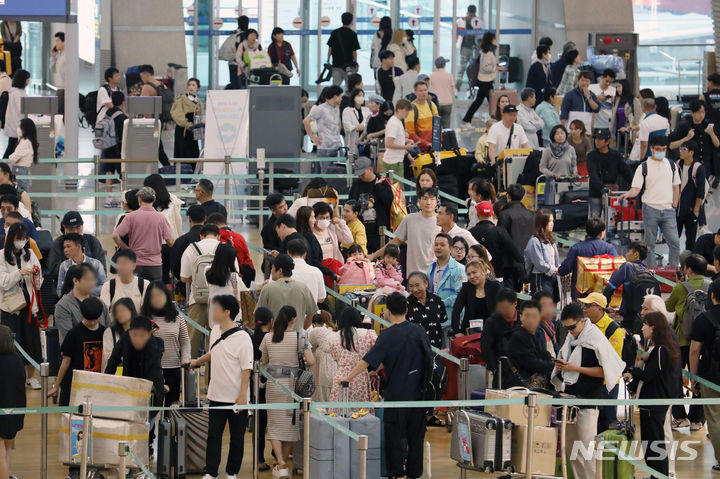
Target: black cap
{"type": "Point", "coordinates": [510, 109]}
{"type": "Point", "coordinates": [283, 262]}
{"type": "Point", "coordinates": [601, 134]}
{"type": "Point", "coordinates": [72, 219]}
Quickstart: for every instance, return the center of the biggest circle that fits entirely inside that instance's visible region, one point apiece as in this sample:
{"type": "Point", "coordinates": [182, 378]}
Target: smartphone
{"type": "Point", "coordinates": [266, 251]}
{"type": "Point", "coordinates": [556, 360]}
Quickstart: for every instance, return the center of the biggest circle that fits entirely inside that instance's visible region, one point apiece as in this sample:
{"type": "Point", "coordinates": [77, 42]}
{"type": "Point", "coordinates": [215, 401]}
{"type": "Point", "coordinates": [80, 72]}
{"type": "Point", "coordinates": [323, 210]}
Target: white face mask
{"type": "Point", "coordinates": [359, 100]}
{"type": "Point", "coordinates": [323, 224]}
{"type": "Point", "coordinates": [659, 155]}
{"type": "Point", "coordinates": [20, 244]}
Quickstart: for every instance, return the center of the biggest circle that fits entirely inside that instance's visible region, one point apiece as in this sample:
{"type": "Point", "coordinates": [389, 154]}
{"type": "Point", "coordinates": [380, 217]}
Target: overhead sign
{"type": "Point", "coordinates": [217, 24]}
{"type": "Point", "coordinates": [10, 9]}
{"type": "Point", "coordinates": [417, 10]}
{"type": "Point", "coordinates": [476, 23]}
{"type": "Point", "coordinates": [325, 21]}
{"type": "Point", "coordinates": [191, 11]}
{"type": "Point", "coordinates": [413, 22]}
{"type": "Point", "coordinates": [297, 22]}
{"type": "Point", "coordinates": [372, 10]}
{"type": "Point", "coordinates": [375, 21]}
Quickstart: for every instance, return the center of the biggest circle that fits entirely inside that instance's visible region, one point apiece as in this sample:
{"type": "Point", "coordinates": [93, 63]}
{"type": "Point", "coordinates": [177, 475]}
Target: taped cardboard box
{"type": "Point", "coordinates": [517, 413]}
{"type": "Point", "coordinates": [109, 390]}
{"type": "Point", "coordinates": [105, 434]}
{"type": "Point", "coordinates": [543, 449]}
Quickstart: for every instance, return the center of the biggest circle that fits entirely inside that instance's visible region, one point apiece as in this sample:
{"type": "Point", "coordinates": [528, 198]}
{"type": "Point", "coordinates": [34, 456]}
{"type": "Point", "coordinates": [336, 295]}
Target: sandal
{"type": "Point", "coordinates": [434, 421]}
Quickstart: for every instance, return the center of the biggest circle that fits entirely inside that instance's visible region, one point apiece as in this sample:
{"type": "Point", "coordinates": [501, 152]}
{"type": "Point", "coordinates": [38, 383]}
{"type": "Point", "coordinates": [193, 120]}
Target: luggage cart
{"type": "Point", "coordinates": [511, 163]}
{"type": "Point", "coordinates": [623, 219]}
{"type": "Point", "coordinates": [560, 185]}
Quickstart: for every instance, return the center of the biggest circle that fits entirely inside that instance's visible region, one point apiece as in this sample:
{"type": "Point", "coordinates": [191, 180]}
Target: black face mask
{"type": "Point", "coordinates": [157, 312]}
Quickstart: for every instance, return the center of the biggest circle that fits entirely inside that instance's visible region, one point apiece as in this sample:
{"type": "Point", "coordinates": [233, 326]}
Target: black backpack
{"type": "Point", "coordinates": [4, 100]}
{"type": "Point", "coordinates": [630, 346]}
{"type": "Point", "coordinates": [168, 98]}
{"type": "Point", "coordinates": [140, 285]}
{"type": "Point", "coordinates": [642, 283]}
{"type": "Point", "coordinates": [89, 107]}
{"type": "Point", "coordinates": [434, 374]}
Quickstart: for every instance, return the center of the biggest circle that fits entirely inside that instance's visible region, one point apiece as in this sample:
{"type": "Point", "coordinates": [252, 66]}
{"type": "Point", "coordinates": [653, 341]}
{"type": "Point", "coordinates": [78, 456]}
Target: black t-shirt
{"type": "Point", "coordinates": [605, 169]}
{"type": "Point", "coordinates": [376, 123]}
{"type": "Point", "coordinates": [213, 206]}
{"type": "Point", "coordinates": [343, 42]}
{"type": "Point", "coordinates": [398, 350]}
{"type": "Point", "coordinates": [84, 347]}
{"type": "Point", "coordinates": [269, 235]}
{"type": "Point", "coordinates": [703, 331]}
{"type": "Point", "coordinates": [375, 200]}
{"type": "Point", "coordinates": [712, 109]}
{"type": "Point", "coordinates": [385, 79]}
{"type": "Point", "coordinates": [704, 246]}
{"type": "Point", "coordinates": [701, 138]}
{"type": "Point", "coordinates": [587, 387]}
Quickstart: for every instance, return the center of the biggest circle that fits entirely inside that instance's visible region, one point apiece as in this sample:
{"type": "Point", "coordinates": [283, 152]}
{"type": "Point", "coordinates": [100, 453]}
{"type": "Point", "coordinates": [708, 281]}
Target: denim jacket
{"type": "Point", "coordinates": [450, 284]}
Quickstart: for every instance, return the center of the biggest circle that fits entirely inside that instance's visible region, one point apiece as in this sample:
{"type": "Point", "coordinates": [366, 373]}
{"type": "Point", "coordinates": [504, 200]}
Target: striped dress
{"type": "Point", "coordinates": [284, 353]}
{"type": "Point", "coordinates": [177, 342]}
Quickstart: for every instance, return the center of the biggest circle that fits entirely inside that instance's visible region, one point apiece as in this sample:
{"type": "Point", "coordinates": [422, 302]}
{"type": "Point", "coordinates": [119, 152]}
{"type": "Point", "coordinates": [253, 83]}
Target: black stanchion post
{"type": "Point", "coordinates": [306, 437]}
{"type": "Point", "coordinates": [463, 376]}
{"type": "Point", "coordinates": [531, 402]}
{"type": "Point", "coordinates": [44, 382]}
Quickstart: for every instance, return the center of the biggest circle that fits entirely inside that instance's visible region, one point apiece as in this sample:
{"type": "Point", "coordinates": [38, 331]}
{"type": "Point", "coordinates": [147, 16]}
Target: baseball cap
{"type": "Point", "coordinates": [440, 62]}
{"type": "Point", "coordinates": [283, 262]}
{"type": "Point", "coordinates": [595, 298]}
{"type": "Point", "coordinates": [484, 208]}
{"type": "Point", "coordinates": [601, 134]}
{"type": "Point", "coordinates": [510, 109]}
{"type": "Point", "coordinates": [72, 219]}
{"type": "Point", "coordinates": [423, 77]}
{"type": "Point", "coordinates": [376, 99]}
{"type": "Point", "coordinates": [361, 164]}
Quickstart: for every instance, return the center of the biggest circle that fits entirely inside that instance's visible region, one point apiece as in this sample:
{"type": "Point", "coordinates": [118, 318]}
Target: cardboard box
{"type": "Point", "coordinates": [517, 413]}
{"type": "Point", "coordinates": [105, 434]}
{"type": "Point", "coordinates": [109, 390]}
{"type": "Point", "coordinates": [543, 450]}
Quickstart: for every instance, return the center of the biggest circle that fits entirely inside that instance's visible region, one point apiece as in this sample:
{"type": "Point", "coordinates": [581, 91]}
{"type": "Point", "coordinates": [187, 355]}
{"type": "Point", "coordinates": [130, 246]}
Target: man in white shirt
{"type": "Point", "coordinates": [57, 68]}
{"type": "Point", "coordinates": [651, 125]}
{"type": "Point", "coordinates": [528, 119]}
{"type": "Point", "coordinates": [447, 216]}
{"type": "Point", "coordinates": [605, 93]}
{"type": "Point", "coordinates": [506, 134]}
{"type": "Point", "coordinates": [126, 284]}
{"type": "Point", "coordinates": [104, 93]}
{"type": "Point", "coordinates": [311, 276]}
{"type": "Point", "coordinates": [418, 231]}
{"type": "Point", "coordinates": [198, 312]}
{"type": "Point", "coordinates": [658, 180]}
{"type": "Point", "coordinates": [396, 142]}
{"type": "Point", "coordinates": [232, 355]}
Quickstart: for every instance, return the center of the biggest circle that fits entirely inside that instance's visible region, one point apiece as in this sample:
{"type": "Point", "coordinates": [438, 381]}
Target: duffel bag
{"type": "Point", "coordinates": [468, 347]}
{"type": "Point", "coordinates": [574, 195]}
{"type": "Point", "coordinates": [569, 216]}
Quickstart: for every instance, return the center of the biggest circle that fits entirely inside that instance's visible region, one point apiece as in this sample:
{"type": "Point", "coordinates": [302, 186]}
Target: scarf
{"type": "Point", "coordinates": [192, 98]}
{"type": "Point", "coordinates": [558, 149]}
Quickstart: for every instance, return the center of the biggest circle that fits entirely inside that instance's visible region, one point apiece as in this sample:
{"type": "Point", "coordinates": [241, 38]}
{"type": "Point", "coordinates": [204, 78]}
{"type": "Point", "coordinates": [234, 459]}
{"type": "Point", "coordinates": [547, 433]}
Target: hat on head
{"type": "Point", "coordinates": [72, 219]}
{"type": "Point", "coordinates": [601, 134]}
{"type": "Point", "coordinates": [595, 298]}
{"type": "Point", "coordinates": [440, 62]}
{"type": "Point", "coordinates": [376, 99]}
{"type": "Point", "coordinates": [423, 77]}
{"type": "Point", "coordinates": [283, 262]}
{"type": "Point", "coordinates": [510, 109]}
{"type": "Point", "coordinates": [361, 164]}
{"type": "Point", "coordinates": [484, 208]}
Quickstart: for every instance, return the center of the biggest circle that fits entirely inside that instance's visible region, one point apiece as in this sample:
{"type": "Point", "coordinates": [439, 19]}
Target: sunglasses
{"type": "Point", "coordinates": [571, 327]}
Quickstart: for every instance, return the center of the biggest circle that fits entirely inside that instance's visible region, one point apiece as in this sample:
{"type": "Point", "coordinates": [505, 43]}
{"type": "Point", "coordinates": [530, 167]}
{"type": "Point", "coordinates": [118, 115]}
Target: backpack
{"type": "Point", "coordinates": [434, 374]}
{"type": "Point", "coordinates": [89, 106]}
{"type": "Point", "coordinates": [630, 345]}
{"type": "Point", "coordinates": [229, 47]}
{"type": "Point", "coordinates": [642, 283]}
{"type": "Point", "coordinates": [4, 100]}
{"type": "Point", "coordinates": [398, 208]}
{"type": "Point", "coordinates": [168, 98]}
{"type": "Point", "coordinates": [695, 303]}
{"type": "Point", "coordinates": [113, 282]}
{"type": "Point", "coordinates": [695, 166]}
{"type": "Point", "coordinates": [105, 132]}
{"type": "Point", "coordinates": [201, 290]}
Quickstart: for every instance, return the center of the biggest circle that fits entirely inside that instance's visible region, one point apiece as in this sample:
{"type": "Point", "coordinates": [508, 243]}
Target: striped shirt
{"type": "Point", "coordinates": [569, 80]}
{"type": "Point", "coordinates": [177, 342]}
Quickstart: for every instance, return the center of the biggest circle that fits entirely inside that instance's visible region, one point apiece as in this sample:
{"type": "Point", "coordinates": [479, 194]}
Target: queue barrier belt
{"type": "Point", "coordinates": [323, 159]}
{"type": "Point", "coordinates": [143, 467]}
{"type": "Point", "coordinates": [277, 383]}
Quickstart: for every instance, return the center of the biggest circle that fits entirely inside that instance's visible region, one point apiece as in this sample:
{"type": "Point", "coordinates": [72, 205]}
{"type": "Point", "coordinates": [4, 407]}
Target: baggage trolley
{"type": "Point", "coordinates": [558, 185]}
{"type": "Point", "coordinates": [511, 163]}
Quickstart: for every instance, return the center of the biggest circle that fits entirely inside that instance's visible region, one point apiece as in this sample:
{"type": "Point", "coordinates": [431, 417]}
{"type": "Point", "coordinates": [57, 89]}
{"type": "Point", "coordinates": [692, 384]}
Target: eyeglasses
{"type": "Point", "coordinates": [684, 148]}
{"type": "Point", "coordinates": [459, 249]}
{"type": "Point", "coordinates": [472, 256]}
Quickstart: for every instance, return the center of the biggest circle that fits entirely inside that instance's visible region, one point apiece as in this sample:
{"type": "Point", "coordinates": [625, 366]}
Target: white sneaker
{"type": "Point", "coordinates": [233, 476]}
{"type": "Point", "coordinates": [280, 473]}
{"type": "Point", "coordinates": [34, 383]}
{"type": "Point", "coordinates": [208, 476]}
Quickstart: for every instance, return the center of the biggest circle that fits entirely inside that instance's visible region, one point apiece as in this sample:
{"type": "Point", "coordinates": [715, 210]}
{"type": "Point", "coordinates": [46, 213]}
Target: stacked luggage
{"type": "Point", "coordinates": [566, 198]}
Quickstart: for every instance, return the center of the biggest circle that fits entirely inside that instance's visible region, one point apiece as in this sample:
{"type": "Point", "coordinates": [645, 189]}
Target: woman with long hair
{"type": "Point", "coordinates": [426, 179]}
{"type": "Point", "coordinates": [476, 299]}
{"type": "Point", "coordinates": [656, 377]}
{"type": "Point", "coordinates": [280, 355]}
{"type": "Point", "coordinates": [282, 53]}
{"type": "Point", "coordinates": [479, 189]}
{"type": "Point", "coordinates": [263, 323]}
{"type": "Point", "coordinates": [578, 139]}
{"type": "Point", "coordinates": [478, 252]}
{"type": "Point", "coordinates": [401, 47]}
{"type": "Point", "coordinates": [222, 278]}
{"type": "Point", "coordinates": [541, 256]}
{"type": "Point", "coordinates": [320, 337]}
{"type": "Point", "coordinates": [487, 72]}
{"type": "Point", "coordinates": [502, 101]}
{"type": "Point", "coordinates": [380, 42]}
{"type": "Point", "coordinates": [460, 249]}
{"type": "Point", "coordinates": [172, 329]}
{"type": "Point", "coordinates": [186, 112]}
{"type": "Point", "coordinates": [305, 225]}
{"type": "Point", "coordinates": [626, 114]}
{"type": "Point", "coordinates": [20, 277]}
{"type": "Point", "coordinates": [350, 343]}
{"type": "Point", "coordinates": [13, 115]}
{"type": "Point", "coordinates": [26, 152]}
{"type": "Point", "coordinates": [122, 312]}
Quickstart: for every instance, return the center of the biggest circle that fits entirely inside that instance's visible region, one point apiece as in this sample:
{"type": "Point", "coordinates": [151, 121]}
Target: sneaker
{"type": "Point", "coordinates": [208, 476]}
{"type": "Point", "coordinates": [34, 383]}
{"type": "Point", "coordinates": [232, 476]}
{"type": "Point", "coordinates": [112, 203]}
{"type": "Point", "coordinates": [678, 423]}
{"type": "Point", "coordinates": [696, 426]}
{"type": "Point", "coordinates": [280, 473]}
{"type": "Point", "coordinates": [716, 469]}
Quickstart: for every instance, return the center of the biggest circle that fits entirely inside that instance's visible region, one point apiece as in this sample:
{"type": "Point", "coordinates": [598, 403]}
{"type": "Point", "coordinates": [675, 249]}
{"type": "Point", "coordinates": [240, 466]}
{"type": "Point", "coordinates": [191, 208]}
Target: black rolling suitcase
{"type": "Point", "coordinates": [50, 341]}
{"type": "Point", "coordinates": [569, 216]}
{"type": "Point", "coordinates": [196, 422]}
{"type": "Point", "coordinates": [449, 139]}
{"type": "Point", "coordinates": [338, 167]}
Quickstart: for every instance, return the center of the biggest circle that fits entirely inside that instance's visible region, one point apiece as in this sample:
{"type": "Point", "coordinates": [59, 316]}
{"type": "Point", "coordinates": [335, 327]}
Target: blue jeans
{"type": "Point", "coordinates": [667, 222]}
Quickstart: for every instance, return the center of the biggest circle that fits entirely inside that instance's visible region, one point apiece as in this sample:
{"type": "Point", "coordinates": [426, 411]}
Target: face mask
{"type": "Point", "coordinates": [659, 155]}
{"type": "Point", "coordinates": [359, 100]}
{"type": "Point", "coordinates": [323, 224]}
{"type": "Point", "coordinates": [19, 132]}
{"type": "Point", "coordinates": [20, 244]}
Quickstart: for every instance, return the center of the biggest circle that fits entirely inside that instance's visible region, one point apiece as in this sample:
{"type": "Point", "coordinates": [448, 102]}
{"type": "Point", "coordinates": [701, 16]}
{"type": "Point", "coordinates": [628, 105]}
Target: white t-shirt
{"type": "Point", "coordinates": [122, 290]}
{"type": "Point", "coordinates": [394, 129]}
{"type": "Point", "coordinates": [230, 358]}
{"type": "Point", "coordinates": [604, 114]}
{"type": "Point", "coordinates": [463, 233]}
{"type": "Point", "coordinates": [659, 183]}
{"type": "Point", "coordinates": [311, 276]}
{"type": "Point", "coordinates": [103, 97]}
{"type": "Point", "coordinates": [419, 233]}
{"type": "Point", "coordinates": [498, 135]}
{"type": "Point", "coordinates": [206, 246]}
{"type": "Point", "coordinates": [653, 123]}
{"type": "Point", "coordinates": [215, 290]}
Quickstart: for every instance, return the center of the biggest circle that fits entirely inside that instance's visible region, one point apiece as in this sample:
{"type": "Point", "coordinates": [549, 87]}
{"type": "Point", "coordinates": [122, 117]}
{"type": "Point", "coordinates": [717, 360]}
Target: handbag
{"type": "Point", "coordinates": [304, 380]}
{"type": "Point", "coordinates": [398, 208]}
{"type": "Point", "coordinates": [15, 300]}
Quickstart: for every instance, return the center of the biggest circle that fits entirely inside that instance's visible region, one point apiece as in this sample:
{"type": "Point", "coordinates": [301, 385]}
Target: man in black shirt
{"type": "Point", "coordinates": [375, 196]}
{"type": "Point", "coordinates": [605, 167]}
{"type": "Point", "coordinates": [386, 74]}
{"type": "Point", "coordinates": [400, 349]}
{"type": "Point", "coordinates": [705, 246]}
{"type": "Point", "coordinates": [81, 348]}
{"type": "Point", "coordinates": [196, 217]}
{"type": "Point", "coordinates": [699, 130]}
{"type": "Point", "coordinates": [497, 331]}
{"type": "Point", "coordinates": [527, 348]}
{"type": "Point", "coordinates": [204, 196]}
{"type": "Point", "coordinates": [506, 257]}
{"type": "Point", "coordinates": [343, 46]}
{"type": "Point", "coordinates": [277, 206]}
{"type": "Point", "coordinates": [72, 222]}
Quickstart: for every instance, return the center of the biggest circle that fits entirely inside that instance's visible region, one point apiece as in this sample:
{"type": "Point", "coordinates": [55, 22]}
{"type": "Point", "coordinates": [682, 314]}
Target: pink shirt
{"type": "Point", "coordinates": [147, 230]}
{"type": "Point", "coordinates": [443, 85]}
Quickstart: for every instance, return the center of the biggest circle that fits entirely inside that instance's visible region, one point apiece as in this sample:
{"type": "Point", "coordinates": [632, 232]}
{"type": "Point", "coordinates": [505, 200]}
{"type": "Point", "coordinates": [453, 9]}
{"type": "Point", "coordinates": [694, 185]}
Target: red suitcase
{"type": "Point", "coordinates": [468, 347]}
{"type": "Point", "coordinates": [667, 272]}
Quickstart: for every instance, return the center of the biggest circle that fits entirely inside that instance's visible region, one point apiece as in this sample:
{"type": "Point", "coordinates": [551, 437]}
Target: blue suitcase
{"type": "Point", "coordinates": [329, 449]}
{"type": "Point", "coordinates": [369, 426]}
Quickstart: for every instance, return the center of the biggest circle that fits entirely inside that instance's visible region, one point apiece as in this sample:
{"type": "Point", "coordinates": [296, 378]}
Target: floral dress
{"type": "Point", "coordinates": [364, 339]}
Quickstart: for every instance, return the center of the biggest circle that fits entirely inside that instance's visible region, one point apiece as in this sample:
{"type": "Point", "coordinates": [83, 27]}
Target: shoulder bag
{"type": "Point", "coordinates": [304, 380]}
